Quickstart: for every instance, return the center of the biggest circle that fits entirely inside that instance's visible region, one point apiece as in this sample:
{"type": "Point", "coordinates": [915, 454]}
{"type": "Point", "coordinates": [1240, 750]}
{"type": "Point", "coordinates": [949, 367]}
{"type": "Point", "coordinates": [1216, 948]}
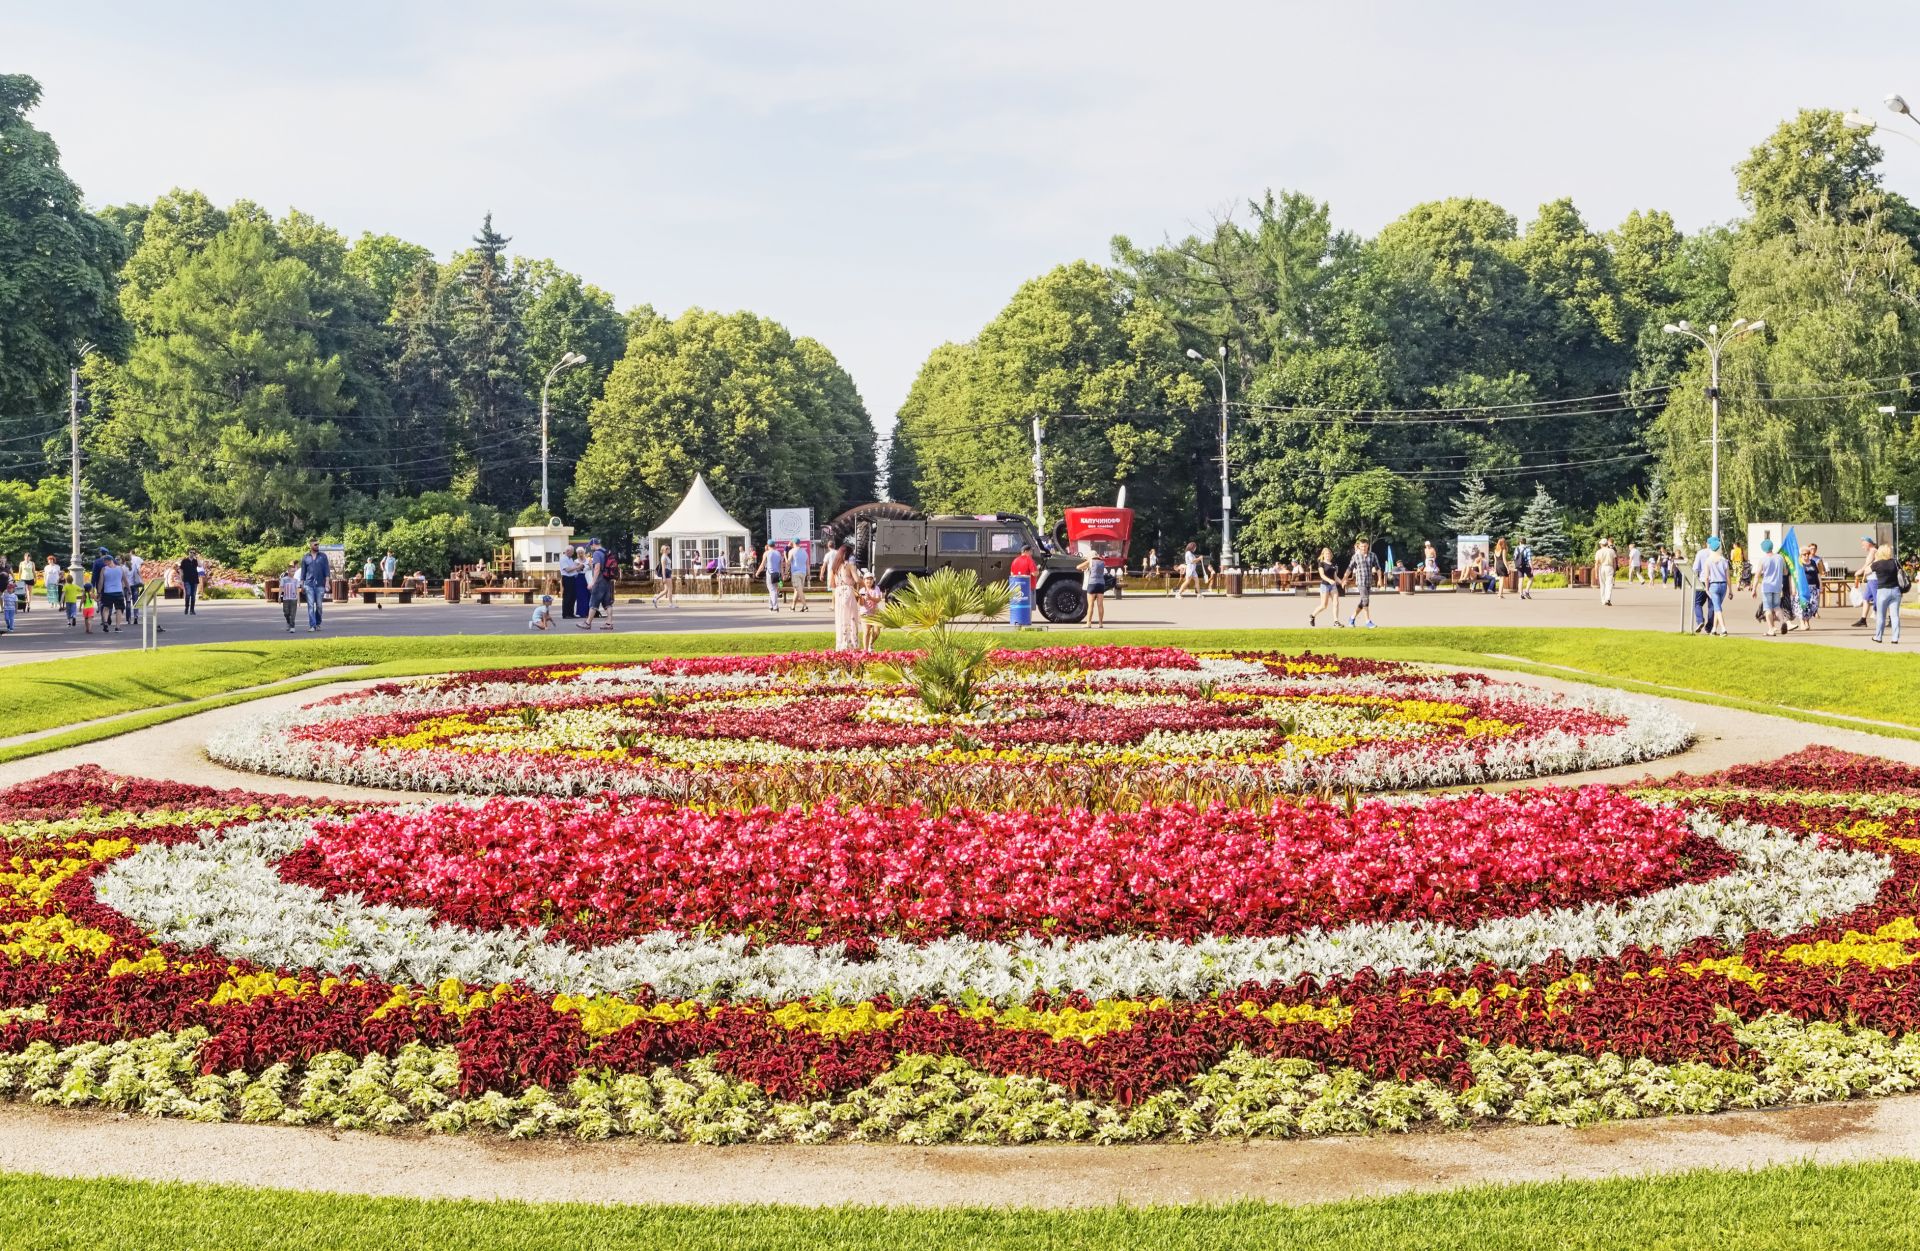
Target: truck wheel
{"type": "Point", "coordinates": [1063, 602]}
{"type": "Point", "coordinates": [890, 583]}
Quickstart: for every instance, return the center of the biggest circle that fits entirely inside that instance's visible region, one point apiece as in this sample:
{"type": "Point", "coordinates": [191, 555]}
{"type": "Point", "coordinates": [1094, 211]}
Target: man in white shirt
{"type": "Point", "coordinates": [569, 580]}
{"type": "Point", "coordinates": [1603, 570]}
{"type": "Point", "coordinates": [1633, 564]}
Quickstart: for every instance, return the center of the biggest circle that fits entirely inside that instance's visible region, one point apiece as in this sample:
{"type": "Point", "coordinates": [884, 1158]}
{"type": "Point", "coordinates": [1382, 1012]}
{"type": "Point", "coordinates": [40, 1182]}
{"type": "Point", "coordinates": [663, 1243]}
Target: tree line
{"type": "Point", "coordinates": [251, 381]}
{"type": "Point", "coordinates": [1377, 384]}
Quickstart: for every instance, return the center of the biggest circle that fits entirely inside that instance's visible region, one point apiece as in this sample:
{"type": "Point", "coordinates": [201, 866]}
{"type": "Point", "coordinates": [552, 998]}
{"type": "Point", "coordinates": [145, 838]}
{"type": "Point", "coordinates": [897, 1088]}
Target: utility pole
{"type": "Point", "coordinates": [1039, 480]}
{"type": "Point", "coordinates": [73, 430]}
{"type": "Point", "coordinates": [567, 361]}
{"type": "Point", "coordinates": [1714, 341]}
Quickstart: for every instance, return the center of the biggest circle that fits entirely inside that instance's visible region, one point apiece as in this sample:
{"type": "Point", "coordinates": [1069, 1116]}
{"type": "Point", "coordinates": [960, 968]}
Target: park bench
{"type": "Point", "coordinates": [485, 594]}
{"type": "Point", "coordinates": [372, 594]}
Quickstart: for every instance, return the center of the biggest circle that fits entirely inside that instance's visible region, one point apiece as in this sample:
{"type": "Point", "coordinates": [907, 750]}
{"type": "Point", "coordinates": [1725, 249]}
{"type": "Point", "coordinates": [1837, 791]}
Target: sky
{"type": "Point", "coordinates": [883, 176]}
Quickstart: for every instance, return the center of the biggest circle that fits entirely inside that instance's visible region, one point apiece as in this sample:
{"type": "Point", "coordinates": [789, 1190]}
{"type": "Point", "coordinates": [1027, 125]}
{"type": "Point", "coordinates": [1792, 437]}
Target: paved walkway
{"type": "Point", "coordinates": [42, 635]}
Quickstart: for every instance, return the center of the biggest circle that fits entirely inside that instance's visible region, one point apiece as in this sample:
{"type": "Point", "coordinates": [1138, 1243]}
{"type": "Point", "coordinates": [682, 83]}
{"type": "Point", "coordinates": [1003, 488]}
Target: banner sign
{"type": "Point", "coordinates": [789, 525]}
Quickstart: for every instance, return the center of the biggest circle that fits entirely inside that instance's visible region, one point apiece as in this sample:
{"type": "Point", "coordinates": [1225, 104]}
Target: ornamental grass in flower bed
{"type": "Point", "coordinates": [1546, 956]}
{"type": "Point", "coordinates": [1114, 728]}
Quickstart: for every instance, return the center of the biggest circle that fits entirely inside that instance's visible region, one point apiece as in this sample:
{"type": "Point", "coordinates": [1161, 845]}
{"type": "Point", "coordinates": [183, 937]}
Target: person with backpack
{"type": "Point", "coordinates": [1094, 573]}
{"type": "Point", "coordinates": [1523, 567]}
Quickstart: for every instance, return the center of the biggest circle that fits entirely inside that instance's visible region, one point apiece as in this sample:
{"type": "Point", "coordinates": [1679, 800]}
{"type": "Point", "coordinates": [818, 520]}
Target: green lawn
{"type": "Point", "coordinates": [1819, 1209]}
{"type": "Point", "coordinates": [1744, 673]}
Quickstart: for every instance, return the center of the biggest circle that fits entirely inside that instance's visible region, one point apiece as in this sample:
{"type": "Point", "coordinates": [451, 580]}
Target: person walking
{"type": "Point", "coordinates": [289, 593]}
{"type": "Point", "coordinates": [52, 573]}
{"type": "Point", "coordinates": [870, 601]}
{"type": "Point", "coordinates": [1772, 581]}
{"type": "Point", "coordinates": [1523, 568]}
{"type": "Point", "coordinates": [1891, 583]}
{"type": "Point", "coordinates": [27, 573]}
{"type": "Point", "coordinates": [1189, 573]}
{"type": "Point", "coordinates": [1500, 568]}
{"type": "Point", "coordinates": [136, 583]}
{"type": "Point", "coordinates": [1329, 589]}
{"type": "Point", "coordinates": [590, 575]}
{"type": "Point", "coordinates": [799, 569]}
{"type": "Point", "coordinates": [1711, 570]}
{"type": "Point", "coordinates": [771, 562]}
{"type": "Point", "coordinates": [113, 594]}
{"type": "Point", "coordinates": [607, 572]}
{"type": "Point", "coordinates": [1868, 580]}
{"type": "Point", "coordinates": [315, 569]}
{"type": "Point", "coordinates": [844, 578]}
{"type": "Point", "coordinates": [1093, 572]}
{"type": "Point", "coordinates": [664, 571]}
{"type": "Point", "coordinates": [1363, 569]}
{"type": "Point", "coordinates": [70, 597]}
{"type": "Point", "coordinates": [9, 599]}
{"type": "Point", "coordinates": [1603, 570]}
{"type": "Point", "coordinates": [1634, 562]}
{"type": "Point", "coordinates": [190, 581]}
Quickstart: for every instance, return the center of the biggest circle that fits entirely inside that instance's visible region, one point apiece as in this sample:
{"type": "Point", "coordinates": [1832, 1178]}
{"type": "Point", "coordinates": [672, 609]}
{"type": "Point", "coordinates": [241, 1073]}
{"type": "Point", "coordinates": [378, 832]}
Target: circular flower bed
{"type": "Point", "coordinates": [1095, 728]}
{"type": "Point", "coordinates": [615, 966]}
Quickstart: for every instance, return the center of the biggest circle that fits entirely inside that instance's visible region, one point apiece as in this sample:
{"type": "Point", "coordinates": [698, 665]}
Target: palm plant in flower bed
{"type": "Point", "coordinates": [951, 670]}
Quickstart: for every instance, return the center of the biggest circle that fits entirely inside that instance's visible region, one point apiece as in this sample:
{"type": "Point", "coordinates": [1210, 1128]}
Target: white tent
{"type": "Point", "coordinates": [698, 531]}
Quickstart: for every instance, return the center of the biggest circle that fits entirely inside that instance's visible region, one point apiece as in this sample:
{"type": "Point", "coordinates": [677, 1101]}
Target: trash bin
{"type": "Point", "coordinates": [451, 588]}
{"type": "Point", "coordinates": [1235, 583]}
{"type": "Point", "coordinates": [1405, 579]}
{"type": "Point", "coordinates": [1020, 607]}
{"type": "Point", "coordinates": [339, 591]}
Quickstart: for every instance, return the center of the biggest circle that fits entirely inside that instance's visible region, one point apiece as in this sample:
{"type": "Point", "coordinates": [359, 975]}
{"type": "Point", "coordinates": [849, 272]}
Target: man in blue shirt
{"type": "Point", "coordinates": [1773, 580]}
{"type": "Point", "coordinates": [113, 598]}
{"type": "Point", "coordinates": [315, 569]}
{"type": "Point", "coordinates": [770, 565]}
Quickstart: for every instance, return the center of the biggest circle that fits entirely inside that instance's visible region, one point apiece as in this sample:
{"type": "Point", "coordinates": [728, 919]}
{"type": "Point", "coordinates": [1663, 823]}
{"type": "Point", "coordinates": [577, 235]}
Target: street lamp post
{"type": "Point", "coordinates": [567, 361]}
{"type": "Point", "coordinates": [1714, 341]}
{"type": "Point", "coordinates": [73, 428]}
{"type": "Point", "coordinates": [1226, 493]}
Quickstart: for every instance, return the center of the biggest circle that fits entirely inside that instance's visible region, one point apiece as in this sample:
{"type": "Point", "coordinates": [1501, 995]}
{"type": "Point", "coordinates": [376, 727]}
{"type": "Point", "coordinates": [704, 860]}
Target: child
{"type": "Point", "coordinates": [290, 593]}
{"type": "Point", "coordinates": [869, 600]}
{"type": "Point", "coordinates": [9, 601]}
{"type": "Point", "coordinates": [70, 596]}
{"type": "Point", "coordinates": [87, 606]}
{"type": "Point", "coordinates": [542, 615]}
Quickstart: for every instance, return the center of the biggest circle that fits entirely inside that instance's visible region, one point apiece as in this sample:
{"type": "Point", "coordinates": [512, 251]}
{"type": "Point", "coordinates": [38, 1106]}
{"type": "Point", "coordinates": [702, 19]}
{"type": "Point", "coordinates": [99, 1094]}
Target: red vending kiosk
{"type": "Point", "coordinates": [1102, 530]}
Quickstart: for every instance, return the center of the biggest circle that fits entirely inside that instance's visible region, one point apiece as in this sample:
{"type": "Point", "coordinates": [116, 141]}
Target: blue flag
{"type": "Point", "coordinates": [1790, 552]}
{"type": "Point", "coordinates": [1389, 558]}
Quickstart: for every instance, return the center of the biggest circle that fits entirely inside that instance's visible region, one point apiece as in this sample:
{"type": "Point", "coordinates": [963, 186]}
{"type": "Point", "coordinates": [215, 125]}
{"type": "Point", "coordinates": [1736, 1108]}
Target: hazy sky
{"type": "Point", "coordinates": [882, 176]}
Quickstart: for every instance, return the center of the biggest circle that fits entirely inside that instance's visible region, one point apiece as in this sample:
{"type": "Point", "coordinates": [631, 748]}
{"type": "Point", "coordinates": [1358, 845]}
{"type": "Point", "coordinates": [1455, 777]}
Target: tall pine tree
{"type": "Point", "coordinates": [487, 352]}
{"type": "Point", "coordinates": [1542, 525]}
{"type": "Point", "coordinates": [1476, 510]}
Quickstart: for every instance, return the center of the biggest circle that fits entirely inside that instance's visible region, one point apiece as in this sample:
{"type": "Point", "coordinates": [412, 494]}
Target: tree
{"type": "Point", "coordinates": [1107, 379]}
{"type": "Point", "coordinates": [1655, 527]}
{"type": "Point", "coordinates": [728, 395]}
{"type": "Point", "coordinates": [1801, 434]}
{"type": "Point", "coordinates": [1542, 525]}
{"type": "Point", "coordinates": [1378, 505]}
{"type": "Point", "coordinates": [385, 265]}
{"type": "Point", "coordinates": [1476, 510]}
{"type": "Point", "coordinates": [57, 290]}
{"type": "Point", "coordinates": [237, 397]}
{"type": "Point", "coordinates": [486, 351]}
{"type": "Point", "coordinates": [1813, 162]}
{"type": "Point", "coordinates": [562, 313]}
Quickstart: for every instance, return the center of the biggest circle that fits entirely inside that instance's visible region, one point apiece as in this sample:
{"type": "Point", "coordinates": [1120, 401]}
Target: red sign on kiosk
{"type": "Point", "coordinates": [1102, 530]}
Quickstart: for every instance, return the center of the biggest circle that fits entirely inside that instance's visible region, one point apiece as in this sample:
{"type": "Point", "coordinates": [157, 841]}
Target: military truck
{"type": "Point", "coordinates": [896, 542]}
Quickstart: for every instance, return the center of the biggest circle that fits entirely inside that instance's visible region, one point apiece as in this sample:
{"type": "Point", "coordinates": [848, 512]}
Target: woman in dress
{"type": "Point", "coordinates": [1329, 588]}
{"type": "Point", "coordinates": [845, 581]}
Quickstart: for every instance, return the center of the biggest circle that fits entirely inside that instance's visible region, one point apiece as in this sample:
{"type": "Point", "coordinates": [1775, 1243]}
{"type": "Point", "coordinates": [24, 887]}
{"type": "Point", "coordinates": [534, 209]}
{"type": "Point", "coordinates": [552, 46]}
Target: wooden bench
{"type": "Point", "coordinates": [485, 594]}
{"type": "Point", "coordinates": [372, 594]}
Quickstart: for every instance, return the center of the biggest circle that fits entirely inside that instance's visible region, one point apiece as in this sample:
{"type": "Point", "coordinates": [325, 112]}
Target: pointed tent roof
{"type": "Point", "coordinates": [699, 515]}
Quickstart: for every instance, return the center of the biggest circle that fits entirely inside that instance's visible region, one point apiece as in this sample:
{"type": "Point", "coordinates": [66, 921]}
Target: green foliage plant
{"type": "Point", "coordinates": [951, 669]}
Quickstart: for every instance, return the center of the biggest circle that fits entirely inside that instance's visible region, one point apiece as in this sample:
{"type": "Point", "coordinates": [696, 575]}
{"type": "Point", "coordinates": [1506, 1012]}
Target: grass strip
{"type": "Point", "coordinates": [1792, 1208]}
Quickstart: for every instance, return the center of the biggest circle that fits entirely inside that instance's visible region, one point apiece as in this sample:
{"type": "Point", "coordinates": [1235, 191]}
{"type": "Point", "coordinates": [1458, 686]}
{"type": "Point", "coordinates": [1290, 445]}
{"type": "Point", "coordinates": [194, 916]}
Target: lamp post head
{"type": "Point", "coordinates": [1684, 326]}
{"type": "Point", "coordinates": [573, 358]}
{"type": "Point", "coordinates": [1898, 105]}
{"type": "Point", "coordinates": [1713, 329]}
{"type": "Point", "coordinates": [1669, 328]}
{"type": "Point", "coordinates": [1854, 119]}
{"type": "Point", "coordinates": [1223, 351]}
{"type": "Point", "coordinates": [1193, 355]}
{"type": "Point", "coordinates": [1757, 325]}
{"type": "Point", "coordinates": [1889, 409]}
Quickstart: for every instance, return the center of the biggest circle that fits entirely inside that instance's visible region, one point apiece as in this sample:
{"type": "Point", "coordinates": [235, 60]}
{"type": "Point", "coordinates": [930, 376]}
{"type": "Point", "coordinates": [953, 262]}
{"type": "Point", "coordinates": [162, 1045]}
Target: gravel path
{"type": "Point", "coordinates": [91, 1144]}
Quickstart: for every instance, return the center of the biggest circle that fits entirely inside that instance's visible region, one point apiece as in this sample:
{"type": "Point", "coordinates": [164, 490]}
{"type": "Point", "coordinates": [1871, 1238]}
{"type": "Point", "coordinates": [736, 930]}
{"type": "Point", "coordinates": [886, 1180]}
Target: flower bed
{"type": "Point", "coordinates": [1100, 728]}
{"type": "Point", "coordinates": [1546, 956]}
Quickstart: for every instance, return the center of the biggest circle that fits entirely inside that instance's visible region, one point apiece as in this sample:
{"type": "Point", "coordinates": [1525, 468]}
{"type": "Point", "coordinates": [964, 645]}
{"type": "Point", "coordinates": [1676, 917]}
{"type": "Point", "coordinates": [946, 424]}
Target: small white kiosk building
{"type": "Point", "coordinates": [698, 531]}
{"type": "Point", "coordinates": [537, 549]}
